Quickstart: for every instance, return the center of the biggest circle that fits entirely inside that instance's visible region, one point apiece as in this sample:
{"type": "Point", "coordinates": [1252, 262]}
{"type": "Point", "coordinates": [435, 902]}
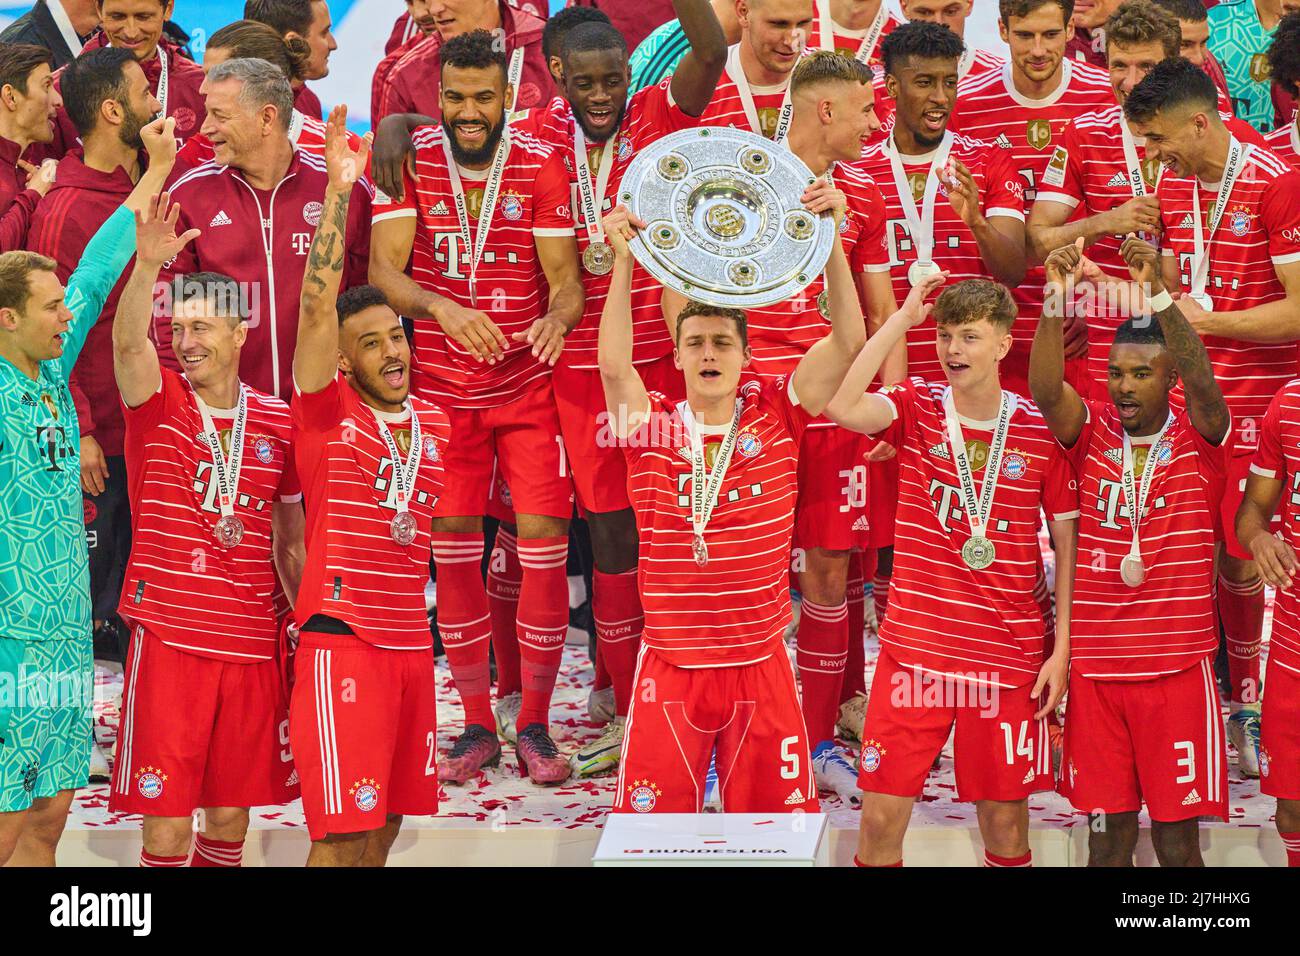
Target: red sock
{"type": "Point", "coordinates": [1241, 609]}
{"type": "Point", "coordinates": [1291, 841]}
{"type": "Point", "coordinates": [543, 623]}
{"type": "Point", "coordinates": [464, 621]}
{"type": "Point", "coordinates": [149, 859]}
{"type": "Point", "coordinates": [1009, 861]}
{"type": "Point", "coordinates": [503, 577]}
{"type": "Point", "coordinates": [873, 866]}
{"type": "Point", "coordinates": [820, 654]}
{"type": "Point", "coordinates": [855, 665]}
{"type": "Point", "coordinates": [616, 606]}
{"type": "Point", "coordinates": [217, 853]}
{"type": "Point", "coordinates": [880, 589]}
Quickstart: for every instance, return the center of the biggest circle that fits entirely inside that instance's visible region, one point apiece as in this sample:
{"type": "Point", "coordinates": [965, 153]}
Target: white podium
{"type": "Point", "coordinates": [714, 839]}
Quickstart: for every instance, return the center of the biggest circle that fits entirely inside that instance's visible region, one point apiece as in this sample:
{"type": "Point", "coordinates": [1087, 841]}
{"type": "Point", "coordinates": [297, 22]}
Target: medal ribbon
{"type": "Point", "coordinates": [705, 484]}
{"type": "Point", "coordinates": [737, 74]}
{"type": "Point", "coordinates": [162, 79]}
{"type": "Point", "coordinates": [920, 224]}
{"type": "Point", "coordinates": [1201, 243]}
{"type": "Point", "coordinates": [1139, 497]}
{"type": "Point", "coordinates": [977, 510]}
{"type": "Point", "coordinates": [591, 198]}
{"type": "Point", "coordinates": [1136, 184]}
{"type": "Point", "coordinates": [226, 469]}
{"type": "Point", "coordinates": [404, 474]}
{"type": "Point", "coordinates": [826, 30]}
{"type": "Point", "coordinates": [513, 75]}
{"type": "Point", "coordinates": [64, 23]}
{"type": "Point", "coordinates": [491, 189]}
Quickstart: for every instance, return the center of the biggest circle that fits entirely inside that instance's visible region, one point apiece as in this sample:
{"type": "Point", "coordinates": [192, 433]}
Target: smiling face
{"type": "Point", "coordinates": [1129, 65]}
{"type": "Point", "coordinates": [924, 91]}
{"type": "Point", "coordinates": [970, 352]}
{"type": "Point", "coordinates": [320, 38]}
{"type": "Point", "coordinates": [139, 108]}
{"type": "Point", "coordinates": [134, 25]}
{"type": "Point", "coordinates": [1176, 138]}
{"type": "Point", "coordinates": [206, 340]}
{"type": "Point", "coordinates": [776, 31]}
{"type": "Point", "coordinates": [595, 84]}
{"type": "Point", "coordinates": [950, 13]}
{"type": "Point", "coordinates": [236, 133]}
{"type": "Point", "coordinates": [375, 355]}
{"type": "Point", "coordinates": [1091, 14]}
{"type": "Point", "coordinates": [711, 355]}
{"type": "Point", "coordinates": [473, 112]}
{"type": "Point", "coordinates": [1037, 42]}
{"type": "Point", "coordinates": [1139, 379]}
{"type": "Point", "coordinates": [454, 17]}
{"type": "Point", "coordinates": [852, 108]}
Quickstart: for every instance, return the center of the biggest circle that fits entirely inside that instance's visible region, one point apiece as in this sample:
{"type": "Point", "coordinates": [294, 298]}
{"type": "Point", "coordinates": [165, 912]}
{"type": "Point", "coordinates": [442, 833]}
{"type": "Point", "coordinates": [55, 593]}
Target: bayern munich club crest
{"type": "Point", "coordinates": [311, 213]}
{"type": "Point", "coordinates": [643, 795]}
{"type": "Point", "coordinates": [1014, 466]}
{"type": "Point", "coordinates": [366, 794]}
{"type": "Point", "coordinates": [149, 782]}
{"type": "Point", "coordinates": [262, 449]}
{"type": "Point", "coordinates": [872, 753]}
{"type": "Point", "coordinates": [624, 149]}
{"type": "Point", "coordinates": [430, 448]}
{"type": "Point", "coordinates": [512, 205]}
{"type": "Point", "coordinates": [1239, 222]}
{"type": "Point", "coordinates": [749, 444]}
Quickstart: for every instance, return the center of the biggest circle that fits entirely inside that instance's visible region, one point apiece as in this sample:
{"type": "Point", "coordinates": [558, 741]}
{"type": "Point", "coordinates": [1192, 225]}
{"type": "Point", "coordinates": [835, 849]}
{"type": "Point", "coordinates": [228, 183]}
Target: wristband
{"type": "Point", "coordinates": [1161, 301]}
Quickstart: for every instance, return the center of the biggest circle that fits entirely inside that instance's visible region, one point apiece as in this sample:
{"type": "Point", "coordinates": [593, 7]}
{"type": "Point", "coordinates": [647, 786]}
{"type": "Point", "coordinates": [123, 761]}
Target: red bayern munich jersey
{"type": "Point", "coordinates": [1285, 142]}
{"type": "Point", "coordinates": [981, 61]}
{"type": "Point", "coordinates": [533, 202]}
{"type": "Point", "coordinates": [735, 609]}
{"type": "Point", "coordinates": [651, 115]}
{"type": "Point", "coordinates": [1278, 456]}
{"type": "Point", "coordinates": [1260, 228]}
{"type": "Point", "coordinates": [355, 572]}
{"type": "Point", "coordinates": [955, 248]}
{"type": "Point", "coordinates": [847, 40]}
{"type": "Point", "coordinates": [780, 335]}
{"type": "Point", "coordinates": [727, 109]}
{"type": "Point", "coordinates": [943, 616]}
{"type": "Point", "coordinates": [1168, 624]}
{"type": "Point", "coordinates": [180, 584]}
{"type": "Point", "coordinates": [989, 107]}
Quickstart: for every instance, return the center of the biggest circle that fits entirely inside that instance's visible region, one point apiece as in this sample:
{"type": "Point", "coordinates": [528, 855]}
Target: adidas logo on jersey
{"type": "Point", "coordinates": [1191, 798]}
{"type": "Point", "coordinates": [220, 219]}
{"type": "Point", "coordinates": [439, 210]}
{"type": "Point", "coordinates": [941, 451]}
{"type": "Point", "coordinates": [1115, 454]}
{"type": "Point", "coordinates": [293, 778]}
{"type": "Point", "coordinates": [1003, 141]}
{"type": "Point", "coordinates": [796, 797]}
{"type": "Point", "coordinates": [861, 524]}
{"type": "Point", "coordinates": [1029, 777]}
{"type": "Point", "coordinates": [1119, 179]}
{"type": "Point", "coordinates": [1187, 222]}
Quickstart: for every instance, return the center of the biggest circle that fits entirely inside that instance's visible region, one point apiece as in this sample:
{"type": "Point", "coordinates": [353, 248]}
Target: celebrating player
{"type": "Point", "coordinates": [1238, 267]}
{"type": "Point", "coordinates": [45, 611]}
{"type": "Point", "coordinates": [963, 646]}
{"type": "Point", "coordinates": [494, 287]}
{"type": "Point", "coordinates": [362, 716]}
{"type": "Point", "coordinates": [1143, 719]}
{"type": "Point", "coordinates": [727, 456]}
{"type": "Point", "coordinates": [953, 15]}
{"type": "Point", "coordinates": [1026, 107]}
{"type": "Point", "coordinates": [216, 511]}
{"type": "Point", "coordinates": [854, 27]}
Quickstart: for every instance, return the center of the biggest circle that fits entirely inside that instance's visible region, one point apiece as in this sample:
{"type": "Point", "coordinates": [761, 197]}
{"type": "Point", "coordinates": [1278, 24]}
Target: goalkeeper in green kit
{"type": "Point", "coordinates": [46, 661]}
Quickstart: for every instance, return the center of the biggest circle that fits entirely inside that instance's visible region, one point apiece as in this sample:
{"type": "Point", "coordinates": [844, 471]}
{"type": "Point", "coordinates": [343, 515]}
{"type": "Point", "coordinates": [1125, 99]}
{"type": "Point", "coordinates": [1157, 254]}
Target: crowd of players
{"type": "Point", "coordinates": [1066, 284]}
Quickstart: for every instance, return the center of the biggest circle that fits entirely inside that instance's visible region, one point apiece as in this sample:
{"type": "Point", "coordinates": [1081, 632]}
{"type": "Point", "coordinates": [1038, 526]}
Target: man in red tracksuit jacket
{"type": "Point", "coordinates": [90, 185]}
{"type": "Point", "coordinates": [26, 128]}
{"type": "Point", "coordinates": [173, 78]}
{"type": "Point", "coordinates": [257, 204]}
{"type": "Point", "coordinates": [412, 84]}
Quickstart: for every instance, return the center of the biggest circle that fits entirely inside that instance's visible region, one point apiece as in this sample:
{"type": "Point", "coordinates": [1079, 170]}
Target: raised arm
{"type": "Point", "coordinates": [696, 77]}
{"type": "Point", "coordinates": [1001, 239]}
{"type": "Point", "coordinates": [315, 358]}
{"type": "Point", "coordinates": [625, 394]}
{"type": "Point", "coordinates": [853, 406]}
{"type": "Point", "coordinates": [1205, 404]}
{"type": "Point", "coordinates": [135, 359]}
{"type": "Point", "coordinates": [1060, 404]}
{"type": "Point", "coordinates": [819, 373]}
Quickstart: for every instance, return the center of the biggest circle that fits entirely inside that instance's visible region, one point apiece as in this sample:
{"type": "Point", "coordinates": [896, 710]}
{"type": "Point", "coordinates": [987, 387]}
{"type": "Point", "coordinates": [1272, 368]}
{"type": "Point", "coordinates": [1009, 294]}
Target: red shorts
{"type": "Point", "coordinates": [882, 498]}
{"type": "Point", "coordinates": [1279, 728]}
{"type": "Point", "coordinates": [364, 720]}
{"type": "Point", "coordinates": [524, 436]}
{"type": "Point", "coordinates": [595, 457]}
{"type": "Point", "coordinates": [750, 713]}
{"type": "Point", "coordinates": [499, 504]}
{"type": "Point", "coordinates": [1000, 751]}
{"type": "Point", "coordinates": [1158, 740]}
{"type": "Point", "coordinates": [199, 732]}
{"type": "Point", "coordinates": [831, 511]}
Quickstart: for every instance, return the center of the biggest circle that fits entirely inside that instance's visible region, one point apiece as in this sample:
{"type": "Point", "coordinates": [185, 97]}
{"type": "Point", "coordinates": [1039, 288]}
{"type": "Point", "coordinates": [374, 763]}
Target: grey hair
{"type": "Point", "coordinates": [264, 85]}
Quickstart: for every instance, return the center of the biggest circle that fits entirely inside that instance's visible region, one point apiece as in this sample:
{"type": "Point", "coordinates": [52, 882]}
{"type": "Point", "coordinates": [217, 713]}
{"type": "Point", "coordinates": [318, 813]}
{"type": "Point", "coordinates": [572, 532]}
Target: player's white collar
{"type": "Point", "coordinates": [1009, 82]}
{"type": "Point", "coordinates": [1295, 135]}
{"type": "Point", "coordinates": [393, 417]}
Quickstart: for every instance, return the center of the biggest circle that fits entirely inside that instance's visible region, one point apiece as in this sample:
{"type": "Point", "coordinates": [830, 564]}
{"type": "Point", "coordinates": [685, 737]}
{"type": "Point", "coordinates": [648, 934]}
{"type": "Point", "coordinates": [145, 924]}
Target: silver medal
{"type": "Point", "coordinates": [920, 270]}
{"type": "Point", "coordinates": [228, 531]}
{"type": "Point", "coordinates": [1132, 570]}
{"type": "Point", "coordinates": [598, 258]}
{"type": "Point", "coordinates": [978, 553]}
{"type": "Point", "coordinates": [824, 304]}
{"type": "Point", "coordinates": [403, 528]}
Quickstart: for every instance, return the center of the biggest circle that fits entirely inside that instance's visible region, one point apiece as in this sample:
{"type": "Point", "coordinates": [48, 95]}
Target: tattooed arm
{"type": "Point", "coordinates": [315, 360]}
{"type": "Point", "coordinates": [1205, 405]}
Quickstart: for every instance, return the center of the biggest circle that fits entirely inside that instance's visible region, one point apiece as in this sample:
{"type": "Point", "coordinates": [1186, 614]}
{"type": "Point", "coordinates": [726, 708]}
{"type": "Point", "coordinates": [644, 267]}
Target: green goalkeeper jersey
{"type": "Point", "coordinates": [1240, 43]}
{"type": "Point", "coordinates": [44, 574]}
